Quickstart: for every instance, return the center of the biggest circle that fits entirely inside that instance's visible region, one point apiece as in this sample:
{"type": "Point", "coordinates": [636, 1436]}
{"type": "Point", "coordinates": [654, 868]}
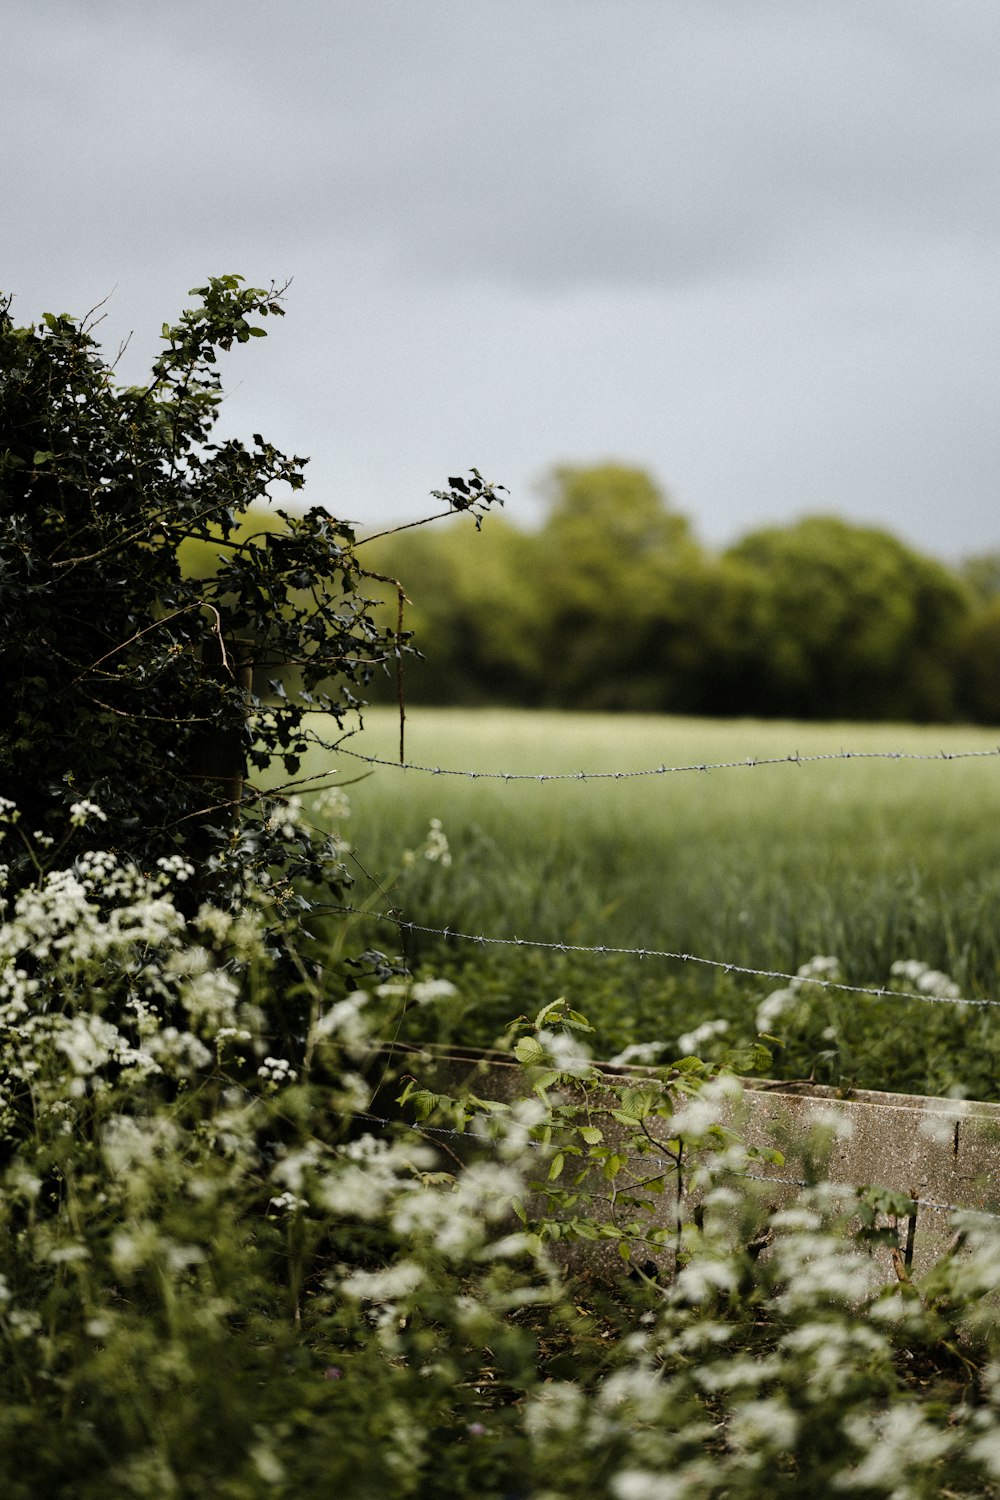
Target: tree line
{"type": "Point", "coordinates": [613, 604]}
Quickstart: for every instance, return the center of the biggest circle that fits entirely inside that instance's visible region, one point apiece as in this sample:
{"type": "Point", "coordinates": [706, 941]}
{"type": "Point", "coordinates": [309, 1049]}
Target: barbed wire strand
{"type": "Point", "coordinates": [747, 763]}
{"type": "Point", "coordinates": [664, 1163]}
{"type": "Point", "coordinates": [481, 940]}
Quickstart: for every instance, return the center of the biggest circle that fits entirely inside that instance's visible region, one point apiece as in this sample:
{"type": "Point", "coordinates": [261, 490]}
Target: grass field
{"type": "Point", "coordinates": [868, 860]}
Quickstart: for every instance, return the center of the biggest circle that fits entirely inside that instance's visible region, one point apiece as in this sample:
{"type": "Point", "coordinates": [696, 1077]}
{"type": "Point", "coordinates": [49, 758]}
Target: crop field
{"type": "Point", "coordinates": [871, 861]}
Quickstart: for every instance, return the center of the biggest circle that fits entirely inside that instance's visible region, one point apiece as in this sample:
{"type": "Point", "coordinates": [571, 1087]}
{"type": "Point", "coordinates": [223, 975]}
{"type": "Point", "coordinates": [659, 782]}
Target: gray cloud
{"type": "Point", "coordinates": [754, 247]}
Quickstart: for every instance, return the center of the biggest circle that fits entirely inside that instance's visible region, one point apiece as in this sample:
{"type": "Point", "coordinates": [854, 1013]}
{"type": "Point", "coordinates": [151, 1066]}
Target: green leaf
{"type": "Point", "coordinates": [529, 1051]}
{"type": "Point", "coordinates": [555, 1170]}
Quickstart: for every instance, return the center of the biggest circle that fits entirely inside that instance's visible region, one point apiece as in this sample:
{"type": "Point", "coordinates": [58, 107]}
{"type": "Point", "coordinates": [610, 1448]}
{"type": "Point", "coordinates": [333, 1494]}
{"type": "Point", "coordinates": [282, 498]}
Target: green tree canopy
{"type": "Point", "coordinates": [978, 670]}
{"type": "Point", "coordinates": [475, 611]}
{"type": "Point", "coordinates": [982, 574]}
{"type": "Point", "coordinates": [612, 558]}
{"type": "Point", "coordinates": [849, 622]}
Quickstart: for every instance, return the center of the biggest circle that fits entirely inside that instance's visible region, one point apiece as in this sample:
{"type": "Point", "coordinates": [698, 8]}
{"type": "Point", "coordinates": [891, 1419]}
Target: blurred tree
{"type": "Point", "coordinates": [476, 612]}
{"type": "Point", "coordinates": [613, 605]}
{"type": "Point", "coordinates": [614, 564]}
{"type": "Point", "coordinates": [978, 667]}
{"type": "Point", "coordinates": [850, 623]}
{"type": "Point", "coordinates": [982, 574]}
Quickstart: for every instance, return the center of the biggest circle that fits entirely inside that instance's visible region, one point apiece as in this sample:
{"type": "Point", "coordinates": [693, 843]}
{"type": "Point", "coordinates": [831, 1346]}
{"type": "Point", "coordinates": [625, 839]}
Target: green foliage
{"type": "Point", "coordinates": [123, 676]}
{"type": "Point", "coordinates": [982, 574]}
{"type": "Point", "coordinates": [223, 1269]}
{"type": "Point", "coordinates": [849, 623]}
{"type": "Point", "coordinates": [474, 611]}
{"type": "Point", "coordinates": [874, 861]}
{"type": "Point", "coordinates": [979, 664]}
{"type": "Point", "coordinates": [612, 604]}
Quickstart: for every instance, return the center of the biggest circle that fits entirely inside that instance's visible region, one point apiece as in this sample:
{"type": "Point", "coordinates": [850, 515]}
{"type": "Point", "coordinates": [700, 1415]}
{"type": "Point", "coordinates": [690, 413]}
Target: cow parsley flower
{"type": "Point", "coordinates": [83, 812]}
{"type": "Point", "coordinates": [690, 1043]}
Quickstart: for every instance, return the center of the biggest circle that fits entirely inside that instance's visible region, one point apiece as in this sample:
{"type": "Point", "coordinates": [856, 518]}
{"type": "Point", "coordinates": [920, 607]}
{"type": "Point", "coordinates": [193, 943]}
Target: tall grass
{"type": "Point", "coordinates": [763, 867]}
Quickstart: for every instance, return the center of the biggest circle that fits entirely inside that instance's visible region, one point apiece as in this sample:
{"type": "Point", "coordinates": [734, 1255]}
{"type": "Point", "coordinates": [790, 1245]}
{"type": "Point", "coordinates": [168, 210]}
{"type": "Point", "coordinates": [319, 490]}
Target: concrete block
{"type": "Point", "coordinates": [944, 1154]}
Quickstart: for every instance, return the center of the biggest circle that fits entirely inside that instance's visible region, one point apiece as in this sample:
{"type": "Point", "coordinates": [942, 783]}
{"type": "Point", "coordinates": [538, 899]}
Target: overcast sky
{"type": "Point", "coordinates": [750, 245]}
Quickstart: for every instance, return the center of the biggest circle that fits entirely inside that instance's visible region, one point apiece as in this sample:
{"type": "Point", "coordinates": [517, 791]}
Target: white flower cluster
{"type": "Point", "coordinates": [691, 1043]}
{"type": "Point", "coordinates": [435, 848]}
{"type": "Point", "coordinates": [102, 982]}
{"type": "Point", "coordinates": [640, 1054]}
{"type": "Point", "coordinates": [286, 818]}
{"type": "Point", "coordinates": [921, 977]}
{"type": "Point", "coordinates": [84, 812]}
{"type": "Point", "coordinates": [781, 1001]}
{"type": "Point", "coordinates": [276, 1072]}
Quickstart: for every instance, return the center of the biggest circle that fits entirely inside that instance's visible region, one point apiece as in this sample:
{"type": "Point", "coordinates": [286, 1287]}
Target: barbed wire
{"type": "Point", "coordinates": [482, 940]}
{"type": "Point", "coordinates": [749, 762]}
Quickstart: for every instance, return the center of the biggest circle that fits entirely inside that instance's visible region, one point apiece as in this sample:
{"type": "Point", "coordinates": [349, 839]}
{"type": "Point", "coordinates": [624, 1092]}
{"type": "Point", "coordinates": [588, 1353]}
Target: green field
{"type": "Point", "coordinates": [764, 866]}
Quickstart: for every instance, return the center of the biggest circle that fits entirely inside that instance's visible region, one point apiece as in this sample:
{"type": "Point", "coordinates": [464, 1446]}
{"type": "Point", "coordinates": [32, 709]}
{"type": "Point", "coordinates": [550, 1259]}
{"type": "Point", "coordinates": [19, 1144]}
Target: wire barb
{"type": "Point", "coordinates": [483, 940]}
{"type": "Point", "coordinates": [750, 762]}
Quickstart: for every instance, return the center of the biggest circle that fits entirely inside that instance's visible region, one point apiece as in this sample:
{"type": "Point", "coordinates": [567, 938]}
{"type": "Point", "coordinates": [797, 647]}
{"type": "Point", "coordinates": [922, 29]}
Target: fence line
{"type": "Point", "coordinates": [664, 1163]}
{"type": "Point", "coordinates": [880, 992]}
{"type": "Point", "coordinates": [749, 763]}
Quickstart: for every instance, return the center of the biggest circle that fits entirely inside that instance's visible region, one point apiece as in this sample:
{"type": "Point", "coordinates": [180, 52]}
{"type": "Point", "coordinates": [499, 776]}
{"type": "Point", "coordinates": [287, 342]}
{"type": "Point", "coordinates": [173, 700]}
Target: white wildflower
{"type": "Point", "coordinates": [425, 991]}
{"type": "Point", "coordinates": [178, 1052]}
{"type": "Point", "coordinates": [347, 1022]}
{"type": "Point", "coordinates": [217, 924]}
{"type": "Point", "coordinates": [767, 1423]}
{"type": "Point", "coordinates": [290, 1170]}
{"type": "Point", "coordinates": [276, 1072]}
{"type": "Point", "coordinates": [457, 1222]}
{"type": "Point", "coordinates": [558, 1407]}
{"type": "Point", "coordinates": [387, 1285]}
{"type": "Point", "coordinates": [820, 969]}
{"type": "Point", "coordinates": [333, 805]}
{"type": "Point", "coordinates": [84, 811]}
{"type": "Point", "coordinates": [642, 1054]}
{"type": "Point", "coordinates": [641, 1484]}
{"type": "Point", "coordinates": [286, 819]}
{"type": "Point", "coordinates": [393, 989]}
{"type": "Point", "coordinates": [833, 1353]}
{"type": "Point", "coordinates": [691, 1041]}
{"type": "Point", "coordinates": [371, 1173]}
{"type": "Point", "coordinates": [925, 979]}
{"type": "Point", "coordinates": [565, 1051]}
{"type": "Point", "coordinates": [436, 844]}
{"type": "Point", "coordinates": [64, 1255]}
{"type": "Point", "coordinates": [819, 1269]}
{"type": "Point", "coordinates": [986, 1449]}
{"type": "Point", "coordinates": [708, 1107]}
{"type": "Point", "coordinates": [893, 1442]}
{"type": "Point", "coordinates": [267, 1464]}
{"type": "Point", "coordinates": [285, 1203]}
{"type": "Point", "coordinates": [777, 1004]}
{"type": "Point", "coordinates": [832, 1122]}
{"type": "Point", "coordinates": [702, 1278]}
{"type": "Point", "coordinates": [128, 1142]}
